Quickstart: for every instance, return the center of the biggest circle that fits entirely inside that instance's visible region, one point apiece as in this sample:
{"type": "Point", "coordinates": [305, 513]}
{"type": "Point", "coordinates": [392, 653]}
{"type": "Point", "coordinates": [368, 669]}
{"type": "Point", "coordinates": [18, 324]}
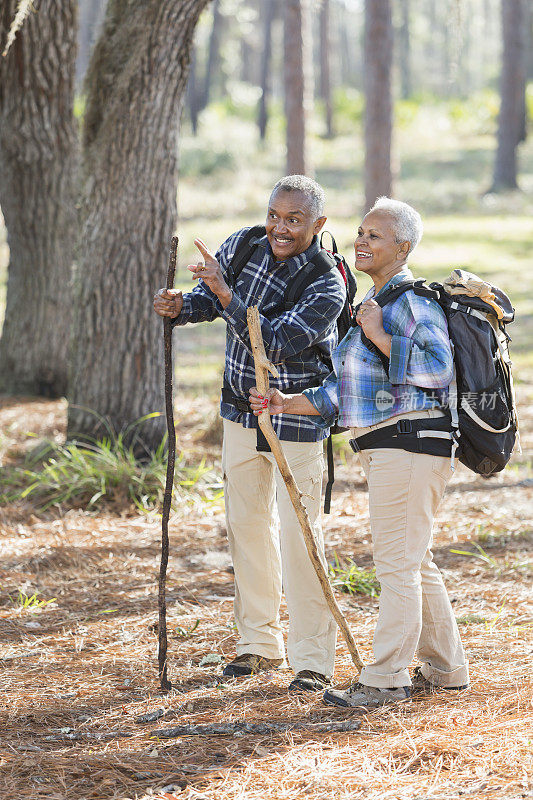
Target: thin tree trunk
{"type": "Point", "coordinates": [38, 165]}
{"type": "Point", "coordinates": [193, 101]}
{"type": "Point", "coordinates": [447, 60]}
{"type": "Point", "coordinates": [213, 55]}
{"type": "Point", "coordinates": [404, 50]}
{"type": "Point", "coordinates": [134, 100]}
{"type": "Point", "coordinates": [297, 45]}
{"type": "Point", "coordinates": [325, 70]}
{"type": "Point", "coordinates": [512, 85]}
{"type": "Point", "coordinates": [465, 82]}
{"type": "Point", "coordinates": [345, 47]}
{"type": "Point", "coordinates": [268, 10]}
{"type": "Point", "coordinates": [378, 106]}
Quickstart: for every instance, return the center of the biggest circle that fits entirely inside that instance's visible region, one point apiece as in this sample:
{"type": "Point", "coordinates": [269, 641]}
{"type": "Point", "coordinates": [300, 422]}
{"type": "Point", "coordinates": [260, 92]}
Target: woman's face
{"type": "Point", "coordinates": [376, 250]}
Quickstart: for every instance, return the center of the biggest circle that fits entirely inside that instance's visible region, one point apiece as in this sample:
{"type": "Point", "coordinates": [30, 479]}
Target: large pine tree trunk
{"type": "Point", "coordinates": [268, 12]}
{"type": "Point", "coordinates": [297, 77]}
{"type": "Point", "coordinates": [378, 106]}
{"type": "Point", "coordinates": [135, 90]}
{"type": "Point", "coordinates": [512, 85]}
{"type": "Point", "coordinates": [38, 163]}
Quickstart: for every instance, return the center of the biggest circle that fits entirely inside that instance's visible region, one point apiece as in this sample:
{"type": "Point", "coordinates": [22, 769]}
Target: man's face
{"type": "Point", "coordinates": [290, 224]}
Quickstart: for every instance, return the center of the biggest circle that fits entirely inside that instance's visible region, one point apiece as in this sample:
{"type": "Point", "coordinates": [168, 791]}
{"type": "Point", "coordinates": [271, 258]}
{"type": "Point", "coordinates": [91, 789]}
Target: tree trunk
{"type": "Point", "coordinates": [38, 165]}
{"type": "Point", "coordinates": [297, 77]}
{"type": "Point", "coordinates": [134, 99]}
{"type": "Point", "coordinates": [404, 50]}
{"type": "Point", "coordinates": [512, 85]}
{"type": "Point", "coordinates": [378, 107]}
{"type": "Point", "coordinates": [213, 55]}
{"type": "Point", "coordinates": [268, 11]}
{"type": "Point", "coordinates": [325, 71]}
{"type": "Point", "coordinates": [193, 101]}
{"type": "Point", "coordinates": [346, 71]}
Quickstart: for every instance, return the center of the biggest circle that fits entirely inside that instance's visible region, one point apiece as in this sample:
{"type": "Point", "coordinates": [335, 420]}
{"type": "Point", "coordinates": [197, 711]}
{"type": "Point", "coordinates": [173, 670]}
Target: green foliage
{"type": "Point", "coordinates": [240, 100]}
{"type": "Point", "coordinates": [90, 473]}
{"type": "Point", "coordinates": [348, 577]}
{"type": "Point", "coordinates": [186, 633]}
{"type": "Point", "coordinates": [470, 619]}
{"type": "Point", "coordinates": [348, 108]}
{"type": "Point", "coordinates": [79, 106]}
{"type": "Point", "coordinates": [478, 113]}
{"type": "Point", "coordinates": [529, 101]}
{"type": "Point", "coordinates": [32, 603]}
{"type": "Point", "coordinates": [196, 159]}
{"type": "Point", "coordinates": [489, 561]}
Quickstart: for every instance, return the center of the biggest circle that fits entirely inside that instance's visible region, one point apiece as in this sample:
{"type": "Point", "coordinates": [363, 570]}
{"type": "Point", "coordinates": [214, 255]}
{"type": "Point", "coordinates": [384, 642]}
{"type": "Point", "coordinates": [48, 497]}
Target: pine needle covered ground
{"type": "Point", "coordinates": [79, 671]}
{"type": "Point", "coordinates": [78, 588]}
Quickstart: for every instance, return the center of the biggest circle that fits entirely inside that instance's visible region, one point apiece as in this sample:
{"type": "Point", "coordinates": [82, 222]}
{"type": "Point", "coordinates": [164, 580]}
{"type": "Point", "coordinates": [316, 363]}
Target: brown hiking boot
{"type": "Point", "coordinates": [421, 685]}
{"type": "Point", "coordinates": [309, 681]}
{"type": "Point", "coordinates": [250, 664]}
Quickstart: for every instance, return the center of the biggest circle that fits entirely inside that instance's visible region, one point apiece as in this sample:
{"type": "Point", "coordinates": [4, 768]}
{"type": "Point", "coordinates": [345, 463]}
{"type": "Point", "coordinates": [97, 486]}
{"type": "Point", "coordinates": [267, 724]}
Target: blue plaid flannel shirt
{"type": "Point", "coordinates": [289, 336]}
{"type": "Point", "coordinates": [359, 390]}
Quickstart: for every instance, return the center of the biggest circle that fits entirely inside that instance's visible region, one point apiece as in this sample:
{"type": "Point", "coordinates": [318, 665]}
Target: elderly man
{"type": "Point", "coordinates": [298, 339]}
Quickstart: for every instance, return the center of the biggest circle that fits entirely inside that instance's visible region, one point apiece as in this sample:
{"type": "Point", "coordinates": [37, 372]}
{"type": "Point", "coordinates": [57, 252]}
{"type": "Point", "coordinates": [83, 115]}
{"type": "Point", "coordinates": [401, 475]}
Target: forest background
{"type": "Point", "coordinates": [165, 136]}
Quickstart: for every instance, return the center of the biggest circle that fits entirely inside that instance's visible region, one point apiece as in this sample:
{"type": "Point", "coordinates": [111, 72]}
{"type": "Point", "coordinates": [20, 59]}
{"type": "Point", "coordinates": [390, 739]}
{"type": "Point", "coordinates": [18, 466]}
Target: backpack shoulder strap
{"type": "Point", "coordinates": [322, 263]}
{"type": "Point", "coordinates": [419, 287]}
{"type": "Point", "coordinates": [245, 249]}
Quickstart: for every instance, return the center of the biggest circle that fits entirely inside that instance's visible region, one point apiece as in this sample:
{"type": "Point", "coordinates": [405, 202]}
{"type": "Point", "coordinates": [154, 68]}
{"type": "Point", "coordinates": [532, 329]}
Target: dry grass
{"type": "Point", "coordinates": [77, 672]}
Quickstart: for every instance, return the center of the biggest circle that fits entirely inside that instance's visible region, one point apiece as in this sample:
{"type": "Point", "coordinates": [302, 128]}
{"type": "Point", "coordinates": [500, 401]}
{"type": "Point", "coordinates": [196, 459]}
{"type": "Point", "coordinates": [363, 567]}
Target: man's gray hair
{"type": "Point", "coordinates": [408, 225]}
{"type": "Point", "coordinates": [308, 187]}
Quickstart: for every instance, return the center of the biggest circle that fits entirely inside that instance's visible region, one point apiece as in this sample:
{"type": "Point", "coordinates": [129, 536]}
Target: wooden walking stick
{"type": "Point", "coordinates": [167, 500]}
{"type": "Point", "coordinates": [262, 368]}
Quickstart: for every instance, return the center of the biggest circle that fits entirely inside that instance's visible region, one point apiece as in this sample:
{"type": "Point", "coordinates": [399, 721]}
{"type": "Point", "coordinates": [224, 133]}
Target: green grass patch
{"type": "Point", "coordinates": [93, 473]}
{"type": "Point", "coordinates": [26, 603]}
{"type": "Point", "coordinates": [349, 578]}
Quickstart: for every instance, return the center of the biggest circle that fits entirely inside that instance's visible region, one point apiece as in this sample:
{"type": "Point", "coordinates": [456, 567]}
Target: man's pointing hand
{"type": "Point", "coordinates": [209, 271]}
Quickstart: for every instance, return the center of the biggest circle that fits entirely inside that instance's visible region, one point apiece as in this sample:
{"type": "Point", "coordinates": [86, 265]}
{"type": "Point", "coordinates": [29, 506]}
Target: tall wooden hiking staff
{"type": "Point", "coordinates": [167, 500]}
{"type": "Point", "coordinates": [262, 368]}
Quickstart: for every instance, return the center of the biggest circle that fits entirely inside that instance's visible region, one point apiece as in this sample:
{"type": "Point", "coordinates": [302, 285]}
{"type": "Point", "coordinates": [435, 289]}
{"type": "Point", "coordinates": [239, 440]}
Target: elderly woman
{"type": "Point", "coordinates": [409, 337]}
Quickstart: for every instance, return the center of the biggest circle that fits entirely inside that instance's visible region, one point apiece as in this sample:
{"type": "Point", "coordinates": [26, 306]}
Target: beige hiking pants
{"type": "Point", "coordinates": [415, 615]}
{"type": "Point", "coordinates": [263, 560]}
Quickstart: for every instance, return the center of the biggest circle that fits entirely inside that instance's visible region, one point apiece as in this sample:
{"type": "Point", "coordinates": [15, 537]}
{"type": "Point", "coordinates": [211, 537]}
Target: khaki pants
{"type": "Point", "coordinates": [263, 560]}
{"type": "Point", "coordinates": [415, 615]}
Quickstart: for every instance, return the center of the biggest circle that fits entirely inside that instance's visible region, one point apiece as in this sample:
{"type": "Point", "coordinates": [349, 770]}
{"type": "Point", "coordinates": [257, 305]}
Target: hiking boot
{"type": "Point", "coordinates": [360, 696]}
{"type": "Point", "coordinates": [309, 681]}
{"type": "Point", "coordinates": [421, 685]}
{"type": "Point", "coordinates": [250, 664]}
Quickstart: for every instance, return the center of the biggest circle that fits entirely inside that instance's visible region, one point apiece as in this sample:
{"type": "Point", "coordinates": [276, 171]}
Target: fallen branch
{"type": "Point", "coordinates": [262, 368]}
{"type": "Point", "coordinates": [243, 728]}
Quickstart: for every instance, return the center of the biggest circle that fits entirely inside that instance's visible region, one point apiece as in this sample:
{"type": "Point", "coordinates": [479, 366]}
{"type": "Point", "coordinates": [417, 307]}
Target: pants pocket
{"type": "Point", "coordinates": [441, 466]}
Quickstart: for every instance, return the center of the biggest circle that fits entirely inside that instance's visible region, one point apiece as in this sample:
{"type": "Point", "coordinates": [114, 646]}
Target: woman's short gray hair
{"type": "Point", "coordinates": [408, 225]}
{"type": "Point", "coordinates": [308, 187]}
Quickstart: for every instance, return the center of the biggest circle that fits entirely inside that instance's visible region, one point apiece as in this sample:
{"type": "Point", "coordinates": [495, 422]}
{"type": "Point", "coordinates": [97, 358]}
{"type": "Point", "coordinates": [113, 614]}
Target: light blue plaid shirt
{"type": "Point", "coordinates": [359, 391]}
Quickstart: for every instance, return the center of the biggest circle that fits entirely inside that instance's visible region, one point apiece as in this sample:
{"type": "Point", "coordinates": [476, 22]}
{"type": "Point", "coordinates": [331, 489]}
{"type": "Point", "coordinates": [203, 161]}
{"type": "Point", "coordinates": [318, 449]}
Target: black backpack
{"type": "Point", "coordinates": [323, 261]}
{"type": "Point", "coordinates": [482, 407]}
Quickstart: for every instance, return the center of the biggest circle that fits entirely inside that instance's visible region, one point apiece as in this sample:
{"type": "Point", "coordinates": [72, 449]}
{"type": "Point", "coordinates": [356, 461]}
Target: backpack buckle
{"type": "Point", "coordinates": [404, 426]}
